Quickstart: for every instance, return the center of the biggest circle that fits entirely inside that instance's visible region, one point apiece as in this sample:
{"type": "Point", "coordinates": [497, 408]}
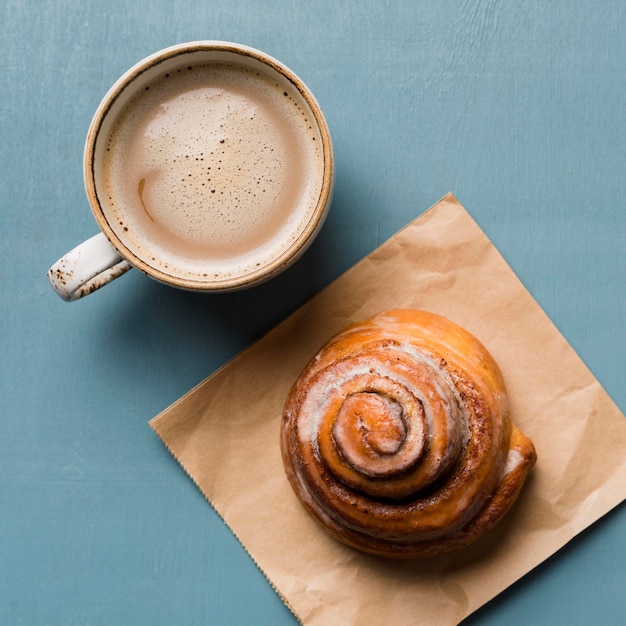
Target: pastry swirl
{"type": "Point", "coordinates": [397, 438]}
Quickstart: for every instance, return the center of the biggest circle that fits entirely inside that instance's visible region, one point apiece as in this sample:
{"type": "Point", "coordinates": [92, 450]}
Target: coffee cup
{"type": "Point", "coordinates": [208, 166]}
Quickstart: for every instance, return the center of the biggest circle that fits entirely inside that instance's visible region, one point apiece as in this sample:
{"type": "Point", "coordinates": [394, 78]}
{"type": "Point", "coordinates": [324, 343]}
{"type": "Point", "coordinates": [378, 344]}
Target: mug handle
{"type": "Point", "coordinates": [89, 266]}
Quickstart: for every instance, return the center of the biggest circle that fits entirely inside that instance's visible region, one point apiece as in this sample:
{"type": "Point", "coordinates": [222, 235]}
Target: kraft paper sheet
{"type": "Point", "coordinates": [225, 433]}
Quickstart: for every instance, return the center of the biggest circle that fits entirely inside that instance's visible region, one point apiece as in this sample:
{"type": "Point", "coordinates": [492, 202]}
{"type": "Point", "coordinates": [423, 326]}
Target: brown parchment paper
{"type": "Point", "coordinates": [225, 434]}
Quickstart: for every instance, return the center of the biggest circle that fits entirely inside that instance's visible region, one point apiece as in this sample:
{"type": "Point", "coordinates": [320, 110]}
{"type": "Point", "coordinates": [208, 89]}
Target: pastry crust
{"type": "Point", "coordinates": [397, 439]}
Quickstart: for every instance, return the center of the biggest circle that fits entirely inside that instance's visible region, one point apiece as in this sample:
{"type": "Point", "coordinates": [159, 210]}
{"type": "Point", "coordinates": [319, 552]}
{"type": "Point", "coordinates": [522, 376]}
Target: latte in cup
{"type": "Point", "coordinates": [216, 171]}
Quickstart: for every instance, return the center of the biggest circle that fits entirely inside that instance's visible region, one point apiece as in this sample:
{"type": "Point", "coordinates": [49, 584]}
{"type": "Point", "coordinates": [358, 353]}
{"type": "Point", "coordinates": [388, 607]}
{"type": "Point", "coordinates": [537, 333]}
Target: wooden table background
{"type": "Point", "coordinates": [518, 108]}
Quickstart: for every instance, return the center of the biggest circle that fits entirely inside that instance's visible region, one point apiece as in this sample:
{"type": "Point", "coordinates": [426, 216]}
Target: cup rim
{"type": "Point", "coordinates": [305, 236]}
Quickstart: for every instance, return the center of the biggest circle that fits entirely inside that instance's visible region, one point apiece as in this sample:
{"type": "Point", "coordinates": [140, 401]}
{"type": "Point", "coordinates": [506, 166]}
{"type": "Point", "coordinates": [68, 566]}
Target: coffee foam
{"type": "Point", "coordinates": [212, 171]}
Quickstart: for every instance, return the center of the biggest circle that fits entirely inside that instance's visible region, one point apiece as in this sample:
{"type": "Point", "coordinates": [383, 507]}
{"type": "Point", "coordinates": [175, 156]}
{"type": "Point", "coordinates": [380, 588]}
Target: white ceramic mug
{"type": "Point", "coordinates": [208, 166]}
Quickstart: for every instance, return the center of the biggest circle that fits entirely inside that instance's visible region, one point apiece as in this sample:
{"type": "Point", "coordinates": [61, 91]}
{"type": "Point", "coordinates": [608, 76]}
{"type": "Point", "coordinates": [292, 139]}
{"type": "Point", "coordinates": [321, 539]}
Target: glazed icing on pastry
{"type": "Point", "coordinates": [397, 438]}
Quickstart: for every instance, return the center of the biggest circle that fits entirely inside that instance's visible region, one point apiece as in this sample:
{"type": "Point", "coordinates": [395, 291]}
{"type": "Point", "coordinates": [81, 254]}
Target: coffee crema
{"type": "Point", "coordinates": [212, 171]}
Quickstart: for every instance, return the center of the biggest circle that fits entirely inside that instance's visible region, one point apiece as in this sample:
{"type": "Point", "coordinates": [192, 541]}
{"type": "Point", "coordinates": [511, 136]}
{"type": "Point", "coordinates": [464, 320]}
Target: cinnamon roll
{"type": "Point", "coordinates": [396, 437]}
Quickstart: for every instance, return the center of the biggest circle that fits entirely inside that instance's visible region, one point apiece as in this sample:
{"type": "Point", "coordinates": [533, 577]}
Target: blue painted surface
{"type": "Point", "coordinates": [516, 107]}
